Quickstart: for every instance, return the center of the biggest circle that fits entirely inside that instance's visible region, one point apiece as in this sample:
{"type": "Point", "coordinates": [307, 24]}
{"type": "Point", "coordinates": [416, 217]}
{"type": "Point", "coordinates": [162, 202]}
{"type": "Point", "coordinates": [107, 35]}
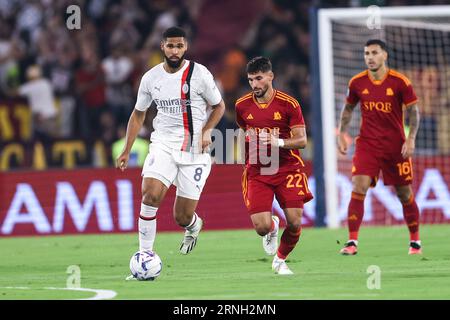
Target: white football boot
{"type": "Point", "coordinates": [190, 237]}
{"type": "Point", "coordinates": [270, 240]}
{"type": "Point", "coordinates": [280, 267]}
{"type": "Point", "coordinates": [130, 278]}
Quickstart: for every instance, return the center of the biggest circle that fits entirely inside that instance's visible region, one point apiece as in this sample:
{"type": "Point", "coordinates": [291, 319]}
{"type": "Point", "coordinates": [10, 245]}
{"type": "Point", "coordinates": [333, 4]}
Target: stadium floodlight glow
{"type": "Point", "coordinates": [418, 39]}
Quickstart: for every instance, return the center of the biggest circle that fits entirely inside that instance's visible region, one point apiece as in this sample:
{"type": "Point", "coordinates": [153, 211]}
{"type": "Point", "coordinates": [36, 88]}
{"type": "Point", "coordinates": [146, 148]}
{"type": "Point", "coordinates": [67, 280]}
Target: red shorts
{"type": "Point", "coordinates": [290, 188]}
{"type": "Point", "coordinates": [397, 170]}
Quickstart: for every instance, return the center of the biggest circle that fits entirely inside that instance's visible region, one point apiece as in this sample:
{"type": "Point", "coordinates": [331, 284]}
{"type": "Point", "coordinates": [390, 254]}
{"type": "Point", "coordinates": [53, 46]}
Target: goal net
{"type": "Point", "coordinates": [418, 39]}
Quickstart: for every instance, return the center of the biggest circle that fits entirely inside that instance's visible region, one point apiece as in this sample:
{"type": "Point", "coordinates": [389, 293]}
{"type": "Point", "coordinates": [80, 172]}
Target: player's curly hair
{"type": "Point", "coordinates": [259, 64]}
{"type": "Point", "coordinates": [174, 32]}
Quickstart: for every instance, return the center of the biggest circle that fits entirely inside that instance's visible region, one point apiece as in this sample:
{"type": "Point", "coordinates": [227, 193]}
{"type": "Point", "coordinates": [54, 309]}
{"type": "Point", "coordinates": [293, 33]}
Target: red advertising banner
{"type": "Point", "coordinates": [430, 183]}
{"type": "Point", "coordinates": [108, 200]}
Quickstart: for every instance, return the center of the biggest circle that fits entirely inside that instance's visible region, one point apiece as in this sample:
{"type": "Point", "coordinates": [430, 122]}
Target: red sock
{"type": "Point", "coordinates": [355, 214]}
{"type": "Point", "coordinates": [289, 239]}
{"type": "Point", "coordinates": [411, 215]}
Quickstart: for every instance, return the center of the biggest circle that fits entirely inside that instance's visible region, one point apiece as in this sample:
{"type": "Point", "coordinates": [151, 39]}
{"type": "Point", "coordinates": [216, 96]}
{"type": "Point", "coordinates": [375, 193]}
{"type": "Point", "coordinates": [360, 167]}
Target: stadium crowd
{"type": "Point", "coordinates": [82, 84]}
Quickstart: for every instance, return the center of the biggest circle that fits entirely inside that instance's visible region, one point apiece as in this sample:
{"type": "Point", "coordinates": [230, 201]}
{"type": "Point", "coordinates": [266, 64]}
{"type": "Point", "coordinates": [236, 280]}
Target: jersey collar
{"type": "Point", "coordinates": [378, 82]}
{"type": "Point", "coordinates": [266, 105]}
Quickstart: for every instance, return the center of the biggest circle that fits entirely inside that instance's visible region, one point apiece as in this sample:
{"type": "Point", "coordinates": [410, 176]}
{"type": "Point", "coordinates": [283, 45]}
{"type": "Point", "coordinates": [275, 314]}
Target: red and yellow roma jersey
{"type": "Point", "coordinates": [381, 102]}
{"type": "Point", "coordinates": [279, 116]}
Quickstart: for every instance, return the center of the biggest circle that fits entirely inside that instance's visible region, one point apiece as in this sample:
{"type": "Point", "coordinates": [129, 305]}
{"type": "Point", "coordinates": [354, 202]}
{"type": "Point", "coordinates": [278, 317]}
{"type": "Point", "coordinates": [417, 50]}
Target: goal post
{"type": "Point", "coordinates": [418, 39]}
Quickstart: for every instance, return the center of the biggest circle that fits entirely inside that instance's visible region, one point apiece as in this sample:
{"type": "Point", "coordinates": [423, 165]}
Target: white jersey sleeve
{"type": "Point", "coordinates": [144, 96]}
{"type": "Point", "coordinates": [210, 91]}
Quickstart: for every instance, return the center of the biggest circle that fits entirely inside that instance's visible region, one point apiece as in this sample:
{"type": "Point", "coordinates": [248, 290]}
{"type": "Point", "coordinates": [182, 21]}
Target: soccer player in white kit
{"type": "Point", "coordinates": [181, 90]}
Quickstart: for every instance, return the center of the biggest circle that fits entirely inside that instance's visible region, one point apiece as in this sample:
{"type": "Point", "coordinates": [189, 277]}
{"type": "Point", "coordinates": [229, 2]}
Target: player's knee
{"type": "Point", "coordinates": [182, 220]}
{"type": "Point", "coordinates": [151, 199]}
{"type": "Point", "coordinates": [182, 217]}
{"type": "Point", "coordinates": [361, 189]}
{"type": "Point", "coordinates": [262, 229]}
{"type": "Point", "coordinates": [361, 184]}
{"type": "Point", "coordinates": [294, 225]}
{"type": "Point", "coordinates": [404, 195]}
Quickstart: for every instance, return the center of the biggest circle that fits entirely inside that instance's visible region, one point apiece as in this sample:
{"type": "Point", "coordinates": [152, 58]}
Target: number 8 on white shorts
{"type": "Point", "coordinates": [187, 172]}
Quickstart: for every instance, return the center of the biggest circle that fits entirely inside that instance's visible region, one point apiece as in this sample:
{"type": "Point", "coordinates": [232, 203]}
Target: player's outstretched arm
{"type": "Point", "coordinates": [134, 125]}
{"type": "Point", "coordinates": [414, 119]}
{"type": "Point", "coordinates": [346, 117]}
{"type": "Point", "coordinates": [213, 120]}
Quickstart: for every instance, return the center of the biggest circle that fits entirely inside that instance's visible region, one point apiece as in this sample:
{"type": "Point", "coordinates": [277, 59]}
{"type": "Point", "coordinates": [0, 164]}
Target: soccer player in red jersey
{"type": "Point", "coordinates": [273, 120]}
{"type": "Point", "coordinates": [383, 95]}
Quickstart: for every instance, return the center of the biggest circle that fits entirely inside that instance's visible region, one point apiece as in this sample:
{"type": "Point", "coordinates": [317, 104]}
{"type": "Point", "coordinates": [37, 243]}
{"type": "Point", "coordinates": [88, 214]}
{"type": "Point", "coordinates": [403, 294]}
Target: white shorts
{"type": "Point", "coordinates": [187, 171]}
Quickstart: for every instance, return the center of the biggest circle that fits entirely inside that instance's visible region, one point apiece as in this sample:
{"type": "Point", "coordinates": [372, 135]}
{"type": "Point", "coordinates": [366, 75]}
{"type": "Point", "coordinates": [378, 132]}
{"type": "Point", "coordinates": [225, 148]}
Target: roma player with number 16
{"type": "Point", "coordinates": [383, 95]}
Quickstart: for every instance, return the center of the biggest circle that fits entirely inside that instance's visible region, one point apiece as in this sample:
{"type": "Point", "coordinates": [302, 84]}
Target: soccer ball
{"type": "Point", "coordinates": [145, 265]}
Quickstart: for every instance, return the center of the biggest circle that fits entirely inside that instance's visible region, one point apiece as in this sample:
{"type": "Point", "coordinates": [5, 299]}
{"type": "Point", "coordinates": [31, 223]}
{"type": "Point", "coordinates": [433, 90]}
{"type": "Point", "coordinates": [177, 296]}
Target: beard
{"type": "Point", "coordinates": [174, 64]}
{"type": "Point", "coordinates": [262, 93]}
{"type": "Point", "coordinates": [374, 68]}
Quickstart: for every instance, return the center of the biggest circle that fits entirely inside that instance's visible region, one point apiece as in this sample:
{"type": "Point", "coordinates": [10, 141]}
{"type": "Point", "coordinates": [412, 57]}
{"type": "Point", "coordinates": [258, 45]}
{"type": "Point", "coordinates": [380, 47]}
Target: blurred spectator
{"type": "Point", "coordinates": [90, 84]}
{"type": "Point", "coordinates": [233, 64]}
{"type": "Point", "coordinates": [125, 35]}
{"type": "Point", "coordinates": [29, 18]}
{"type": "Point", "coordinates": [107, 126]}
{"type": "Point", "coordinates": [175, 15]}
{"type": "Point", "coordinates": [95, 71]}
{"type": "Point", "coordinates": [145, 59]}
{"type": "Point", "coordinates": [96, 9]}
{"type": "Point", "coordinates": [229, 82]}
{"type": "Point", "coordinates": [119, 94]}
{"type": "Point", "coordinates": [51, 39]}
{"type": "Point", "coordinates": [138, 152]}
{"type": "Point", "coordinates": [11, 51]}
{"type": "Point", "coordinates": [61, 75]}
{"type": "Point", "coordinates": [39, 92]}
{"type": "Point", "coordinates": [5, 42]}
{"type": "Point", "coordinates": [165, 20]}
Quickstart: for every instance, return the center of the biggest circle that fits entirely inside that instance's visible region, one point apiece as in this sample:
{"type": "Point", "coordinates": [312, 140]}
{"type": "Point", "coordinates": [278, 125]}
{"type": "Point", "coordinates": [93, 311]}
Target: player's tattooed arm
{"type": "Point", "coordinates": [346, 117]}
{"type": "Point", "coordinates": [414, 119]}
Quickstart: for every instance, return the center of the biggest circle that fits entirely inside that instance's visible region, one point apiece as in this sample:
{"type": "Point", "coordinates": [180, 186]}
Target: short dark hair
{"type": "Point", "coordinates": [259, 64]}
{"type": "Point", "coordinates": [174, 32]}
{"type": "Point", "coordinates": [379, 42]}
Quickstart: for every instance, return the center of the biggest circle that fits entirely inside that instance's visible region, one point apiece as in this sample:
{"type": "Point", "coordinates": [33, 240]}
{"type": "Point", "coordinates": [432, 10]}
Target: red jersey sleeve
{"type": "Point", "coordinates": [352, 96]}
{"type": "Point", "coordinates": [408, 95]}
{"type": "Point", "coordinates": [239, 120]}
{"type": "Point", "coordinates": [295, 116]}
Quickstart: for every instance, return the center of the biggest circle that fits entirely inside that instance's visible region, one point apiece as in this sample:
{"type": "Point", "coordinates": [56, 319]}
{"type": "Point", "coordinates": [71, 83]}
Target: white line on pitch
{"type": "Point", "coordinates": [100, 294]}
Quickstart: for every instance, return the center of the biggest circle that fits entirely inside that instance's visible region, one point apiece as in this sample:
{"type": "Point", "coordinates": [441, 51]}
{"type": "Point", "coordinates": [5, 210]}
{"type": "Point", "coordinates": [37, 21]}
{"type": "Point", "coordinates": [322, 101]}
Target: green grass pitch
{"type": "Point", "coordinates": [231, 265]}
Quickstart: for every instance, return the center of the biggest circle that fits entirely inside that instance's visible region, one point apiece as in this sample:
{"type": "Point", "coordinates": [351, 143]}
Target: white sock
{"type": "Point", "coordinates": [147, 228]}
{"type": "Point", "coordinates": [355, 241]}
{"type": "Point", "coordinates": [275, 229]}
{"type": "Point", "coordinates": [193, 224]}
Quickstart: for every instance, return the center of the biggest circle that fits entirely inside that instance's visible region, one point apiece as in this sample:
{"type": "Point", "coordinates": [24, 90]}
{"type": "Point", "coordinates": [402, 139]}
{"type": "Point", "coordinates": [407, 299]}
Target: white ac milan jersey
{"type": "Point", "coordinates": [181, 99]}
